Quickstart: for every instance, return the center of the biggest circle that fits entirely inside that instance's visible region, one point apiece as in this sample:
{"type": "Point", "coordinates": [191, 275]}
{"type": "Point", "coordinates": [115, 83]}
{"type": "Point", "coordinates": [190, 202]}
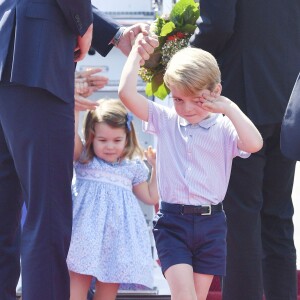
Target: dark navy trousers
{"type": "Point", "coordinates": [36, 153]}
{"type": "Point", "coordinates": [261, 255]}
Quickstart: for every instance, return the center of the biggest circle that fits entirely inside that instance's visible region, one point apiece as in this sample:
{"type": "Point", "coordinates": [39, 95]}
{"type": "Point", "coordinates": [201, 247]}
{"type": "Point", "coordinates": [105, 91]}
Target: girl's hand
{"type": "Point", "coordinates": [150, 155]}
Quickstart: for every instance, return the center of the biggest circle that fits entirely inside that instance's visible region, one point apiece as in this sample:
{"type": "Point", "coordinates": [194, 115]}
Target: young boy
{"type": "Point", "coordinates": [197, 140]}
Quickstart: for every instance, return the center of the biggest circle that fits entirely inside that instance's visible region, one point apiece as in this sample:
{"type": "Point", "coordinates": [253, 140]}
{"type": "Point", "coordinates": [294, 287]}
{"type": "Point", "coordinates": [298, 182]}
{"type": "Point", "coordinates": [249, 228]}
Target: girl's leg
{"type": "Point", "coordinates": [106, 291]}
{"type": "Point", "coordinates": [181, 282]}
{"type": "Point", "coordinates": [79, 286]}
{"type": "Point", "coordinates": [202, 285]}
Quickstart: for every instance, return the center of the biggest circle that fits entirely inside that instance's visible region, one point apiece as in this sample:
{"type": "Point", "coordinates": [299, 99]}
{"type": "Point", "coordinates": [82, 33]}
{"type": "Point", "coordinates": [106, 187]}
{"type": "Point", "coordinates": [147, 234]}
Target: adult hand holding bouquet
{"type": "Point", "coordinates": [174, 32]}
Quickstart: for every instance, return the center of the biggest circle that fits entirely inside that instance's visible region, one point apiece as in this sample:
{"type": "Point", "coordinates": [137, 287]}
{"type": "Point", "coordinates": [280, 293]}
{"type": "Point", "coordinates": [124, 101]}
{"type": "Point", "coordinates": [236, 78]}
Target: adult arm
{"type": "Point", "coordinates": [105, 28]}
{"type": "Point", "coordinates": [78, 14]}
{"type": "Point", "coordinates": [215, 25]}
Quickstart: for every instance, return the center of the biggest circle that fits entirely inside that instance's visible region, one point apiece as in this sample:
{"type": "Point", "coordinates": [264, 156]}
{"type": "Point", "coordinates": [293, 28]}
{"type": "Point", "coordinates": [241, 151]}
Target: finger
{"type": "Point", "coordinates": [152, 40]}
{"type": "Point", "coordinates": [142, 62]}
{"type": "Point", "coordinates": [146, 46]}
{"type": "Point", "coordinates": [143, 53]}
{"type": "Point", "coordinates": [84, 103]}
{"type": "Point", "coordinates": [97, 80]}
{"type": "Point", "coordinates": [90, 72]}
{"type": "Point", "coordinates": [96, 85]}
{"type": "Point", "coordinates": [81, 87]}
{"type": "Point", "coordinates": [144, 27]}
{"type": "Point", "coordinates": [140, 27]}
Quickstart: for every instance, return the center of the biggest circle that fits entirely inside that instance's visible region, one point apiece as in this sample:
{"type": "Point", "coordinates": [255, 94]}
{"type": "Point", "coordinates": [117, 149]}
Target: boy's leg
{"type": "Point", "coordinates": [106, 291]}
{"type": "Point", "coordinates": [79, 285]}
{"type": "Point", "coordinates": [180, 278]}
{"type": "Point", "coordinates": [202, 284]}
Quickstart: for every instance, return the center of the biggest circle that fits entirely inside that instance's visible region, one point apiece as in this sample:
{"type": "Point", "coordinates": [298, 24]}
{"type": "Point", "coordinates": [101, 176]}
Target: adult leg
{"type": "Point", "coordinates": [106, 291]}
{"type": "Point", "coordinates": [279, 253]}
{"type": "Point", "coordinates": [10, 209]}
{"type": "Point", "coordinates": [39, 129]}
{"type": "Point", "coordinates": [242, 206]}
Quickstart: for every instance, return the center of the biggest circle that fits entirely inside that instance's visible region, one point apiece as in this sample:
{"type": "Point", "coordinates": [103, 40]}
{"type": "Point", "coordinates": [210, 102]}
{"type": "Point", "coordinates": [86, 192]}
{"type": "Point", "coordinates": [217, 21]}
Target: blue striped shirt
{"type": "Point", "coordinates": [193, 160]}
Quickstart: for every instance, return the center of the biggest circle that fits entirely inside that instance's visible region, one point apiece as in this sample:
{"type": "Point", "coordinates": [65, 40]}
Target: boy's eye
{"type": "Point", "coordinates": [177, 99]}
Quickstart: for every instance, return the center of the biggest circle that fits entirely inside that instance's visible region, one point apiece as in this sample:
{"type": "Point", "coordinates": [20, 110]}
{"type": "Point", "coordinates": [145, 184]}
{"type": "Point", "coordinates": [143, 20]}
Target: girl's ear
{"type": "Point", "coordinates": [218, 89]}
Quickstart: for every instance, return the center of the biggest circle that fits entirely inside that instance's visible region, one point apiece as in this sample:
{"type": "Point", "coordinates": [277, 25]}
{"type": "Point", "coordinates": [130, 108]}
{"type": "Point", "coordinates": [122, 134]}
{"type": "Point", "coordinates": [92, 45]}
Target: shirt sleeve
{"type": "Point", "coordinates": [141, 172]}
{"type": "Point", "coordinates": [232, 139]}
{"type": "Point", "coordinates": [157, 118]}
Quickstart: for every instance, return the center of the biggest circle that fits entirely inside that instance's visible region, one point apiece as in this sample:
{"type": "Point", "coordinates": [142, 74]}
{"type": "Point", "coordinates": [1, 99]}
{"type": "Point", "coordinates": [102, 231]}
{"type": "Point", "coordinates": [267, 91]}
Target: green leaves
{"type": "Point", "coordinates": [185, 12]}
{"type": "Point", "coordinates": [167, 29]}
{"type": "Point", "coordinates": [182, 20]}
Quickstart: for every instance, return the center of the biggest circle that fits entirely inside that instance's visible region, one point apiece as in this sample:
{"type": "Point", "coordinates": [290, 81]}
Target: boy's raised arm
{"type": "Point", "coordinates": [135, 102]}
{"type": "Point", "coordinates": [250, 139]}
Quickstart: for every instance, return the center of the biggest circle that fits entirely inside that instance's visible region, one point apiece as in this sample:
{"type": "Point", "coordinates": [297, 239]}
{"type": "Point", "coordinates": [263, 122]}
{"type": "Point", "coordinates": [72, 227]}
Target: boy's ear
{"type": "Point", "coordinates": [218, 89]}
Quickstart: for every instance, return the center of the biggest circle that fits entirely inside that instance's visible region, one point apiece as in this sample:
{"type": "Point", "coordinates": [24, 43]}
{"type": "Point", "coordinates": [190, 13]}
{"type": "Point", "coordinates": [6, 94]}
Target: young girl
{"type": "Point", "coordinates": [110, 239]}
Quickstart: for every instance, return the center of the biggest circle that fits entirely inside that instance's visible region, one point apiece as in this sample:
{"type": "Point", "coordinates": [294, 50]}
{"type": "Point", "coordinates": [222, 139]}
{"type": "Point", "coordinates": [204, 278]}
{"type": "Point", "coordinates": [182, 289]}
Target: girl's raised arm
{"type": "Point", "coordinates": [147, 192]}
{"type": "Point", "coordinates": [78, 144]}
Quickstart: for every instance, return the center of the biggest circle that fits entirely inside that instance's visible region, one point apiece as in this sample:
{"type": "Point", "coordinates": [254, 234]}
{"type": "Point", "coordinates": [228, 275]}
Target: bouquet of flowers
{"type": "Point", "coordinates": [174, 32]}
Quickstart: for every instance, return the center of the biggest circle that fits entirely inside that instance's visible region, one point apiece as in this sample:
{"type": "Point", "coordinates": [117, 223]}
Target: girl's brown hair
{"type": "Point", "coordinates": [113, 113]}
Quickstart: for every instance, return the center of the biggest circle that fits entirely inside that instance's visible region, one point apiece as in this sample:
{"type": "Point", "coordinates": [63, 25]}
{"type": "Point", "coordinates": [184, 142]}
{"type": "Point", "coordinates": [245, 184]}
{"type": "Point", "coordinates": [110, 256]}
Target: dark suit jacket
{"type": "Point", "coordinates": [104, 30]}
{"type": "Point", "coordinates": [257, 47]}
{"type": "Point", "coordinates": [290, 129]}
{"type": "Point", "coordinates": [45, 37]}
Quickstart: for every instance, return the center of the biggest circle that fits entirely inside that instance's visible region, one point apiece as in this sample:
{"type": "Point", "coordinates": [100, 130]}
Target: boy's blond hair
{"type": "Point", "coordinates": [192, 70]}
{"type": "Point", "coordinates": [113, 113]}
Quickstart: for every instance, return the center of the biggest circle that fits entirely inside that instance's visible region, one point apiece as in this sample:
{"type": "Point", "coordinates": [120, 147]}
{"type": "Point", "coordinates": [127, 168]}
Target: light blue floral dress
{"type": "Point", "coordinates": [110, 237]}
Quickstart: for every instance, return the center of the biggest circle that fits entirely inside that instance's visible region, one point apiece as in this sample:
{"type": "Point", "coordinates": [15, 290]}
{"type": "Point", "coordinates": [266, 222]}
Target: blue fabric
{"type": "Point", "coordinates": [199, 241]}
{"type": "Point", "coordinates": [110, 237]}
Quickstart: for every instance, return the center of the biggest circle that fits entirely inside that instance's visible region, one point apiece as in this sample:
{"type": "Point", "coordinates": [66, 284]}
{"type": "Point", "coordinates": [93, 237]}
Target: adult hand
{"type": "Point", "coordinates": [86, 83]}
{"type": "Point", "coordinates": [82, 103]}
{"type": "Point", "coordinates": [83, 44]}
{"type": "Point", "coordinates": [146, 46]}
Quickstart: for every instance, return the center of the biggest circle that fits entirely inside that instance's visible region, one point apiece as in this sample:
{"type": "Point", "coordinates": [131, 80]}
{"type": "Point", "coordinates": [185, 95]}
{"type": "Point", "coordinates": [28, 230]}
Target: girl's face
{"type": "Point", "coordinates": [109, 142]}
{"type": "Point", "coordinates": [190, 107]}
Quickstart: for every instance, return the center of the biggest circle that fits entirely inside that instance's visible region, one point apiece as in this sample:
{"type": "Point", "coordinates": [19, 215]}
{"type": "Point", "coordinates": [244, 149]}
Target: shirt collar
{"type": "Point", "coordinates": [206, 123]}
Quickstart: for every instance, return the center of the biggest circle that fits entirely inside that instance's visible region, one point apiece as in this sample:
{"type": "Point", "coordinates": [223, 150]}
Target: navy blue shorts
{"type": "Point", "coordinates": [191, 238]}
